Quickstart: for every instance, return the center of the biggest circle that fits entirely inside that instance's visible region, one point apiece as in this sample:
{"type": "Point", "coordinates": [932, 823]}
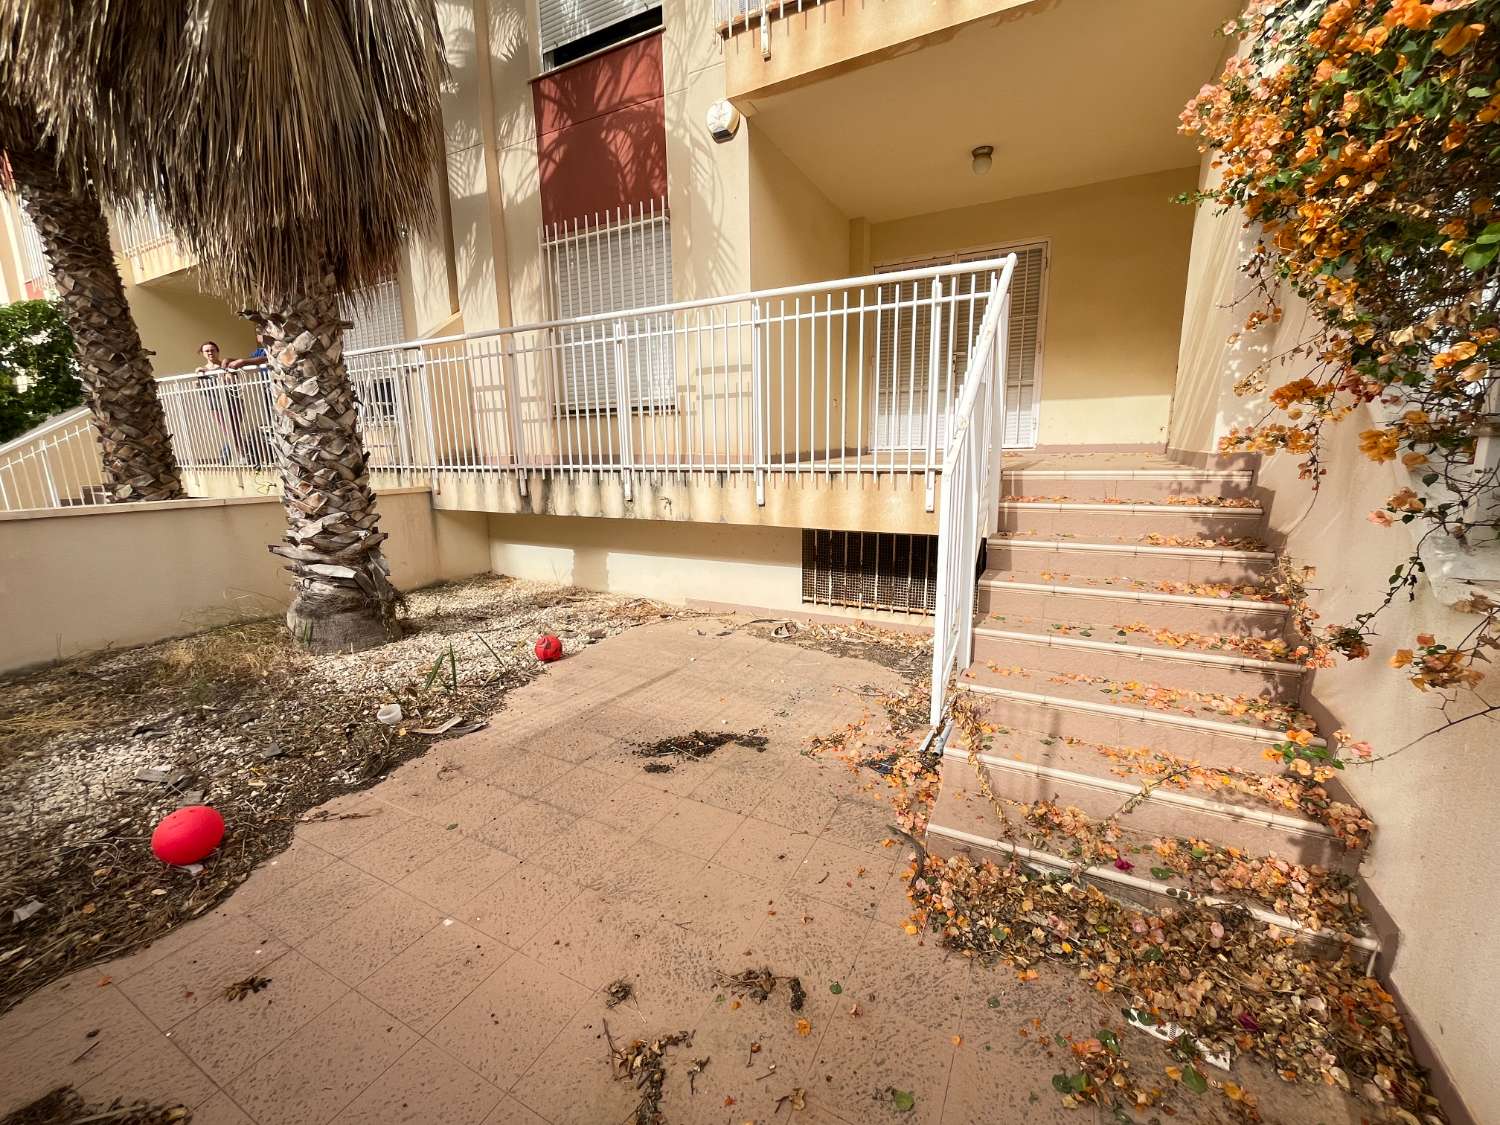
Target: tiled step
{"type": "Point", "coordinates": [1029, 644]}
{"type": "Point", "coordinates": [1078, 599]}
{"type": "Point", "coordinates": [1136, 764]}
{"type": "Point", "coordinates": [1115, 557]}
{"type": "Point", "coordinates": [1082, 711]}
{"type": "Point", "coordinates": [1093, 519]}
{"type": "Point", "coordinates": [1105, 483]}
{"type": "Point", "coordinates": [1147, 891]}
{"type": "Point", "coordinates": [1253, 829]}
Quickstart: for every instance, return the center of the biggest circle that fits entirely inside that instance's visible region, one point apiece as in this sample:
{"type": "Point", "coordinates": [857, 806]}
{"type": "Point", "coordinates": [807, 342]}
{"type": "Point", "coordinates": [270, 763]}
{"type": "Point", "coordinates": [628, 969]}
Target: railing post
{"type": "Point", "coordinates": [622, 406]}
{"type": "Point", "coordinates": [765, 29]}
{"type": "Point", "coordinates": [52, 497]}
{"type": "Point", "coordinates": [941, 611]}
{"type": "Point", "coordinates": [757, 408]}
{"type": "Point", "coordinates": [935, 351]}
{"type": "Point", "coordinates": [426, 385]}
{"type": "Point", "coordinates": [403, 413]}
{"type": "Point", "coordinates": [513, 408]}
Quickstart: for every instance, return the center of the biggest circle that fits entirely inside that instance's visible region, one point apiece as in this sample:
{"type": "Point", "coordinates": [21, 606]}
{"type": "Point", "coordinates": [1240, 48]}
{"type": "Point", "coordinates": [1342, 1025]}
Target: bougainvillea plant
{"type": "Point", "coordinates": [1362, 138]}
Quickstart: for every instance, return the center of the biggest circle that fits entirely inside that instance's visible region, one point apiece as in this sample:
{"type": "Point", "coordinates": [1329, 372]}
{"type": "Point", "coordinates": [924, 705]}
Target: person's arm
{"type": "Point", "coordinates": [254, 359]}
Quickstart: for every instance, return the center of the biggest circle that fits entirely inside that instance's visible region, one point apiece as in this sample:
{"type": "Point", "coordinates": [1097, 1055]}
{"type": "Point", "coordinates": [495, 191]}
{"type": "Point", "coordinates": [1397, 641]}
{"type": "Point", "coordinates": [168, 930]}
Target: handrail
{"type": "Point", "coordinates": [971, 492]}
{"type": "Point", "coordinates": [922, 273]}
{"type": "Point", "coordinates": [36, 433]}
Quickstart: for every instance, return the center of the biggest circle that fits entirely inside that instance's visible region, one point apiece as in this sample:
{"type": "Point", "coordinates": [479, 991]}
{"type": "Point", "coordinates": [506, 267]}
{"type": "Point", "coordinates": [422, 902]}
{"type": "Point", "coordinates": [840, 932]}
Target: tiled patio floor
{"type": "Point", "coordinates": [441, 958]}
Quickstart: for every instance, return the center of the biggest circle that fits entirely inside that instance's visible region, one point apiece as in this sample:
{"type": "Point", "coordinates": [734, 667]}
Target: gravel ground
{"type": "Point", "coordinates": [94, 752]}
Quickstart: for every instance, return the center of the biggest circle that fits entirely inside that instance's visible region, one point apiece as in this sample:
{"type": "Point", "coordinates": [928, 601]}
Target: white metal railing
{"type": "Point", "coordinates": [855, 376]}
{"type": "Point", "coordinates": [737, 14]}
{"type": "Point", "coordinates": [971, 492]}
{"type": "Point", "coordinates": [142, 230]}
{"type": "Point", "coordinates": [781, 381]}
{"type": "Point", "coordinates": [220, 419]}
{"type": "Point", "coordinates": [55, 465]}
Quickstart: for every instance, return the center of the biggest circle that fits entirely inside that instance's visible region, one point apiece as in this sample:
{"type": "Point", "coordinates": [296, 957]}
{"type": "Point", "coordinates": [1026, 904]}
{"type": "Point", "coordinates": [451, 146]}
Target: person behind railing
{"type": "Point", "coordinates": [260, 445]}
{"type": "Point", "coordinates": [224, 403]}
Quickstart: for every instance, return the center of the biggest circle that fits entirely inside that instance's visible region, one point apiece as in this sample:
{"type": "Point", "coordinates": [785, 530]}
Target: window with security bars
{"type": "Point", "coordinates": [623, 262]}
{"type": "Point", "coordinates": [869, 570]}
{"type": "Point", "coordinates": [34, 258]}
{"type": "Point", "coordinates": [904, 360]}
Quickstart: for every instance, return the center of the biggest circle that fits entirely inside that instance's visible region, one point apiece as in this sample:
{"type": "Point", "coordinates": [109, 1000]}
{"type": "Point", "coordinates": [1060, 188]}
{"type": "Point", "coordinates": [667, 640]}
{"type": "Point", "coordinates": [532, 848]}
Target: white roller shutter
{"type": "Point", "coordinates": [904, 360]}
{"type": "Point", "coordinates": [563, 21]}
{"type": "Point", "coordinates": [618, 266]}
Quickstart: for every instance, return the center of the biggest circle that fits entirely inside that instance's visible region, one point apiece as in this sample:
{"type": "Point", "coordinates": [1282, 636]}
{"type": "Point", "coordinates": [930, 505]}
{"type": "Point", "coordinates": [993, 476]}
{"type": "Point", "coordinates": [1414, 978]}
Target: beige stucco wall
{"type": "Point", "coordinates": [1214, 350]}
{"type": "Point", "coordinates": [1117, 264]}
{"type": "Point", "coordinates": [1433, 804]}
{"type": "Point", "coordinates": [757, 566]}
{"type": "Point", "coordinates": [12, 260]}
{"type": "Point", "coordinates": [175, 319]}
{"type": "Point", "coordinates": [796, 233]}
{"type": "Point", "coordinates": [73, 580]}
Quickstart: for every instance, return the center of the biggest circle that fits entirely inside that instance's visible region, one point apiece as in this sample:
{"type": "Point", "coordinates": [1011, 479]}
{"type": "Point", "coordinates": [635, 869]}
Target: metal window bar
{"type": "Point", "coordinates": [33, 257]}
{"type": "Point", "coordinates": [869, 570]}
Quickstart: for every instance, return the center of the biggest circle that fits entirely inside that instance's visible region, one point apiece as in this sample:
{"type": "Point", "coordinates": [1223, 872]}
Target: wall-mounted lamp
{"type": "Point", "coordinates": [983, 158]}
{"type": "Point", "coordinates": [723, 121]}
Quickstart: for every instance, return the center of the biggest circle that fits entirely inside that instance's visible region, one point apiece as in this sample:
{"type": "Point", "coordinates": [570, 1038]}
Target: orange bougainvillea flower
{"type": "Point", "coordinates": [1401, 658]}
{"type": "Point", "coordinates": [1410, 13]}
{"type": "Point", "coordinates": [1378, 445]}
{"type": "Point", "coordinates": [1456, 354]}
{"type": "Point", "coordinates": [1459, 36]}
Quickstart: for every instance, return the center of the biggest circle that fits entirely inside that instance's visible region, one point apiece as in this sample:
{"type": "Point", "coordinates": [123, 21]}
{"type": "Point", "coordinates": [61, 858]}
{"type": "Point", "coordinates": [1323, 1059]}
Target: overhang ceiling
{"type": "Point", "coordinates": [1069, 92]}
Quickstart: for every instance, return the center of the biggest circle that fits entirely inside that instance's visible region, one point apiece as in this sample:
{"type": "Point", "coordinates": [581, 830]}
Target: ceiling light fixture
{"type": "Point", "coordinates": [983, 157]}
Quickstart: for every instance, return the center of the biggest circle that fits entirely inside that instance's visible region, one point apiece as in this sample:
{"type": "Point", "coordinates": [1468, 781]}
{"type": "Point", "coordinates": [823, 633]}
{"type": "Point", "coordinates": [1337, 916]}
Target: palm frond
{"type": "Point", "coordinates": [287, 143]}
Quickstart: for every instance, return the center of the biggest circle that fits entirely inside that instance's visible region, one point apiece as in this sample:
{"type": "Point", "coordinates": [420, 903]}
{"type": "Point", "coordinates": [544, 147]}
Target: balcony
{"type": "Point", "coordinates": [147, 248]}
{"type": "Point", "coordinates": [773, 45]}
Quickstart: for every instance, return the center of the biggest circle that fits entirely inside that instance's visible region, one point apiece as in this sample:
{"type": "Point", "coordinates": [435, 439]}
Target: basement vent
{"type": "Point", "coordinates": [869, 570]}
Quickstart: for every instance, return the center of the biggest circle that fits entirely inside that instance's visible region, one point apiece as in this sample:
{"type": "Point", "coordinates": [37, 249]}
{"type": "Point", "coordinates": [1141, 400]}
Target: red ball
{"type": "Point", "coordinates": [187, 835]}
{"type": "Point", "coordinates": [548, 649]}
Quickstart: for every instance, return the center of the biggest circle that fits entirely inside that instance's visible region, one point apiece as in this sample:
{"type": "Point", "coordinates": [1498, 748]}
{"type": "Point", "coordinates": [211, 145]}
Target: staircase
{"type": "Point", "coordinates": [1125, 643]}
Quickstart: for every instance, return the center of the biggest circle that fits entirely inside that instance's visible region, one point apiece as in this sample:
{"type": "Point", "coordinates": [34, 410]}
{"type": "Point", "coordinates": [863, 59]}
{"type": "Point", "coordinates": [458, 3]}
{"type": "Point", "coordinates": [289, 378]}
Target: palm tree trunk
{"type": "Point", "coordinates": [344, 600]}
{"type": "Point", "coordinates": [138, 463]}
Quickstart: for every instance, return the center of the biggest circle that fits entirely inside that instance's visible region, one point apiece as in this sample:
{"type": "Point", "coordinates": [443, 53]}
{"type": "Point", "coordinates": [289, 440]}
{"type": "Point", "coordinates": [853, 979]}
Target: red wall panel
{"type": "Point", "coordinates": [601, 132]}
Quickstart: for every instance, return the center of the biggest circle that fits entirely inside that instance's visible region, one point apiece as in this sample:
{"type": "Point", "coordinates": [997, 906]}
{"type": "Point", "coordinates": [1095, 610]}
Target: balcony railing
{"type": "Point", "coordinates": [142, 231]}
{"type": "Point", "coordinates": [835, 379]}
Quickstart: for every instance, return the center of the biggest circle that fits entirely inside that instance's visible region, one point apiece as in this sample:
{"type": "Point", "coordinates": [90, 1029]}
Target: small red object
{"type": "Point", "coordinates": [548, 649]}
{"type": "Point", "coordinates": [187, 835]}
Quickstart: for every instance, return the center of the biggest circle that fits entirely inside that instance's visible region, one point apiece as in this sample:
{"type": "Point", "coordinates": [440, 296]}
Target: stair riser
{"type": "Point", "coordinates": [1112, 730]}
{"type": "Point", "coordinates": [1091, 524]}
{"type": "Point", "coordinates": [1147, 820]}
{"type": "Point", "coordinates": [1230, 679]}
{"type": "Point", "coordinates": [1087, 757]}
{"type": "Point", "coordinates": [1145, 567]}
{"type": "Point", "coordinates": [942, 847]}
{"type": "Point", "coordinates": [1121, 488]}
{"type": "Point", "coordinates": [1076, 609]}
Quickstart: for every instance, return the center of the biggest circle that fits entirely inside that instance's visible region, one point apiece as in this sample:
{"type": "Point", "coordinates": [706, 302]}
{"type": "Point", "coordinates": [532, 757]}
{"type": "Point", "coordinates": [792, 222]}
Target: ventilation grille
{"type": "Point", "coordinates": [869, 570]}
